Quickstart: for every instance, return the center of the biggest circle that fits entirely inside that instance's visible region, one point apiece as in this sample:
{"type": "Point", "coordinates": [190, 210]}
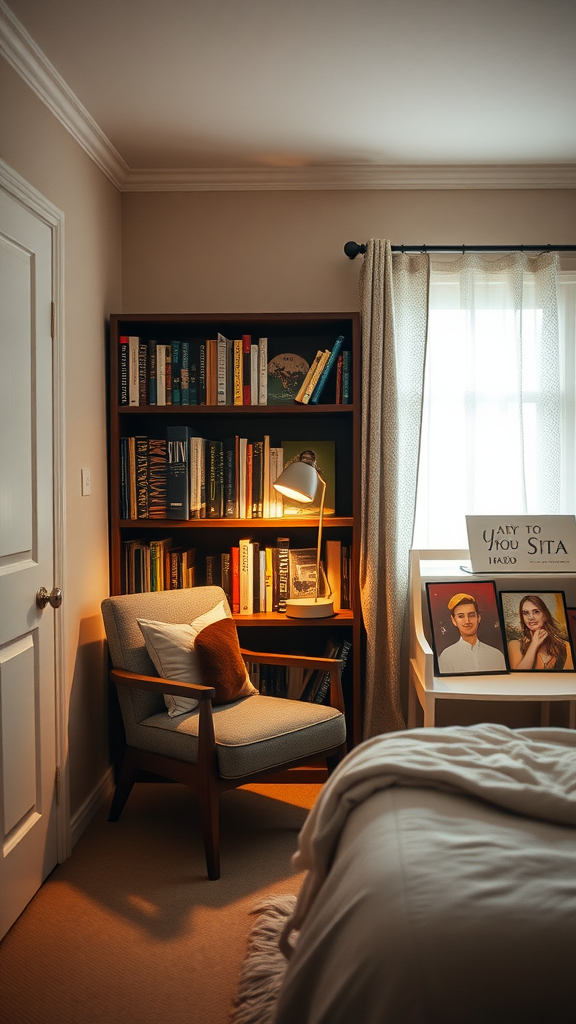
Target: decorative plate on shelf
{"type": "Point", "coordinates": [286, 373]}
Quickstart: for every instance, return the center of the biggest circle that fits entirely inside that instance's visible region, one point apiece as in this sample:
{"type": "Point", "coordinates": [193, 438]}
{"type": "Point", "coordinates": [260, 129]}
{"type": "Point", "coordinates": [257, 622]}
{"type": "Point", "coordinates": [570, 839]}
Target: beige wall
{"type": "Point", "coordinates": [252, 251]}
{"type": "Point", "coordinates": [35, 145]}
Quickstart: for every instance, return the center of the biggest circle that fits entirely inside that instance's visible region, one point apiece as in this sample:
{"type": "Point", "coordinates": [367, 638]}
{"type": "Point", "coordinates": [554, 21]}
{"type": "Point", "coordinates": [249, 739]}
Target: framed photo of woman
{"type": "Point", "coordinates": [537, 632]}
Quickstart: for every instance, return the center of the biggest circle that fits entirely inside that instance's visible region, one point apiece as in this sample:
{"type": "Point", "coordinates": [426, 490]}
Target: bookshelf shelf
{"type": "Point", "coordinates": [300, 334]}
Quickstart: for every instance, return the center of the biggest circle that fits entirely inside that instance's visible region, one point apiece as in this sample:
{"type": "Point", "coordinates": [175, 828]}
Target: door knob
{"type": "Point", "coordinates": [43, 597]}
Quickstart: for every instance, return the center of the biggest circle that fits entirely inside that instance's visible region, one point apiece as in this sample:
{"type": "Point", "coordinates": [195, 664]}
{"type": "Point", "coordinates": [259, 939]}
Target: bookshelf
{"type": "Point", "coordinates": [302, 334]}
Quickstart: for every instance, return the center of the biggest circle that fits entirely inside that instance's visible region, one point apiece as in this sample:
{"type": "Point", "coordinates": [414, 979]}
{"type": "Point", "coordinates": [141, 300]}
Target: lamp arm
{"type": "Point", "coordinates": [323, 482]}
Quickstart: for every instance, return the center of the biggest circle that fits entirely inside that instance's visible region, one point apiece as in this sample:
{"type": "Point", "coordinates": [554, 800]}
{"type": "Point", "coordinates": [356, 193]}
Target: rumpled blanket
{"type": "Point", "coordinates": [531, 772]}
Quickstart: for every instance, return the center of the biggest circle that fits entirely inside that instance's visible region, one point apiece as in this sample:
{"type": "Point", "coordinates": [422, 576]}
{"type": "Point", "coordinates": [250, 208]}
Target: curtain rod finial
{"type": "Point", "coordinates": [353, 248]}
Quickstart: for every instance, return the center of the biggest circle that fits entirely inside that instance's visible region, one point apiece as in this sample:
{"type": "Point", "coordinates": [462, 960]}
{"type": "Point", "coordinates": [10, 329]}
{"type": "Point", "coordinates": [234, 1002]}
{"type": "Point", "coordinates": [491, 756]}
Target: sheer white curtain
{"type": "Point", "coordinates": [498, 418]}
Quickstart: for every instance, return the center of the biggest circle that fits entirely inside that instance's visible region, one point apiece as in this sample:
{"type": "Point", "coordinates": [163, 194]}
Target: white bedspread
{"type": "Point", "coordinates": [413, 868]}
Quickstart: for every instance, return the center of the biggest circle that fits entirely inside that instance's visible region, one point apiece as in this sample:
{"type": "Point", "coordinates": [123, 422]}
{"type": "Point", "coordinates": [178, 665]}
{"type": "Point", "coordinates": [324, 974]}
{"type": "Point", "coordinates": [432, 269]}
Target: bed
{"type": "Point", "coordinates": [441, 883]}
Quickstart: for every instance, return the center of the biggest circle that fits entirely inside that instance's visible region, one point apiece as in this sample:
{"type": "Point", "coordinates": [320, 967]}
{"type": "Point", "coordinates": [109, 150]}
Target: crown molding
{"type": "Point", "coordinates": [27, 59]}
{"type": "Point", "coordinates": [353, 176]}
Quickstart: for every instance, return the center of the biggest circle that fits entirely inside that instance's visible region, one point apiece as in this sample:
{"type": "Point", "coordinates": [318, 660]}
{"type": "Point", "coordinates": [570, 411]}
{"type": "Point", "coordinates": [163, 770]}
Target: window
{"type": "Point", "coordinates": [498, 420]}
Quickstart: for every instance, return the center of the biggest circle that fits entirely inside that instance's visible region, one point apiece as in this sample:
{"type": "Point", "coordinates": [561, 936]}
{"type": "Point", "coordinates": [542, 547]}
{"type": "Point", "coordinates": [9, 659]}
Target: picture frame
{"type": "Point", "coordinates": [467, 633]}
{"type": "Point", "coordinates": [527, 615]}
{"type": "Point", "coordinates": [571, 614]}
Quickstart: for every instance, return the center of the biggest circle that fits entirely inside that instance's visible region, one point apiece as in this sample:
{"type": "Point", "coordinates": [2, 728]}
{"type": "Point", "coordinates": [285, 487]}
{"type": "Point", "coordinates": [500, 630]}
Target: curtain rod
{"type": "Point", "coordinates": [353, 248]}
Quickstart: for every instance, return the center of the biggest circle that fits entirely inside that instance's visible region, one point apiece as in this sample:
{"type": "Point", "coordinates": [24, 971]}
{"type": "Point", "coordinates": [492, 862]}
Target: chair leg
{"type": "Point", "coordinates": [210, 818]}
{"type": "Point", "coordinates": [126, 779]}
{"type": "Point", "coordinates": [333, 761]}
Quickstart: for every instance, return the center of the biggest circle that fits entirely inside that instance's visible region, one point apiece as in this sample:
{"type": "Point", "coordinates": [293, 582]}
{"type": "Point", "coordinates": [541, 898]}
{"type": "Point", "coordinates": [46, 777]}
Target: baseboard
{"type": "Point", "coordinates": [91, 805]}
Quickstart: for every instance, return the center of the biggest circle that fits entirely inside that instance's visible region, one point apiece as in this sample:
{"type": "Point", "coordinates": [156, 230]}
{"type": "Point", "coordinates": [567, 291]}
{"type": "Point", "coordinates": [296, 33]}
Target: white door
{"type": "Point", "coordinates": [28, 818]}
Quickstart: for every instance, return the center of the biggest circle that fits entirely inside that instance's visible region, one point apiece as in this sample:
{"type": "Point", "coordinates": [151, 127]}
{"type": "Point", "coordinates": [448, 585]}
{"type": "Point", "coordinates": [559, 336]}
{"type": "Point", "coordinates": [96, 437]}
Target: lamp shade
{"type": "Point", "coordinates": [298, 481]}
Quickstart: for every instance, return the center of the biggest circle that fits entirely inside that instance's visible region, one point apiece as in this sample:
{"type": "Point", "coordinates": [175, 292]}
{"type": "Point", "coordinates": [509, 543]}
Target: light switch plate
{"type": "Point", "coordinates": [86, 482]}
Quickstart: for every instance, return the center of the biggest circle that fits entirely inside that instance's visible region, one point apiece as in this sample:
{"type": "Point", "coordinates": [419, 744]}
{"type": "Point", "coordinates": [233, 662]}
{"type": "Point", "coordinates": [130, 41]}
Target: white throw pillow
{"type": "Point", "coordinates": [171, 648]}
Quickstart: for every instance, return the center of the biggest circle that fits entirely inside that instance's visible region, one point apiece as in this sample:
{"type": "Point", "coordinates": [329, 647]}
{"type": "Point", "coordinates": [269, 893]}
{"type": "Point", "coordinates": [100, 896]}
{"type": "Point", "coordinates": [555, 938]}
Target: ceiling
{"type": "Point", "coordinates": [289, 85]}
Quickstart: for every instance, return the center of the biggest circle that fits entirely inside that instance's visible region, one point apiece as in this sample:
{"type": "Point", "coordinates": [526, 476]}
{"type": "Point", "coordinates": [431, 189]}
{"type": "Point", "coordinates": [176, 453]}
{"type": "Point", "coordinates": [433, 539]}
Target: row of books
{"type": "Point", "coordinates": [219, 371]}
{"type": "Point", "coordinates": [226, 371]}
{"type": "Point", "coordinates": [189, 477]}
{"type": "Point", "coordinates": [298, 683]}
{"type": "Point", "coordinates": [255, 578]}
{"type": "Point", "coordinates": [316, 379]}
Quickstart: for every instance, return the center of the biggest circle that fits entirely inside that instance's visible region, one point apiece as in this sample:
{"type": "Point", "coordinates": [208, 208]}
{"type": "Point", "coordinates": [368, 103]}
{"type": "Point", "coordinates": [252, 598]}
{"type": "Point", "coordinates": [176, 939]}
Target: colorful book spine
{"type": "Point", "coordinates": [221, 360]}
{"type": "Point", "coordinates": [254, 383]}
{"type": "Point", "coordinates": [160, 374]}
{"type": "Point", "coordinates": [202, 374]}
{"type": "Point", "coordinates": [168, 374]}
{"type": "Point", "coordinates": [142, 373]}
{"type": "Point", "coordinates": [262, 371]}
{"type": "Point", "coordinates": [157, 479]}
{"type": "Point", "coordinates": [235, 578]}
{"type": "Point", "coordinates": [123, 370]}
{"type": "Point", "coordinates": [316, 376]}
{"type": "Point", "coordinates": [176, 364]}
{"type": "Point", "coordinates": [246, 369]}
{"type": "Point", "coordinates": [133, 370]}
{"type": "Point", "coordinates": [238, 372]}
{"type": "Point", "coordinates": [185, 373]}
{"type": "Point", "coordinates": [339, 379]}
{"type": "Point", "coordinates": [346, 377]}
{"type": "Point", "coordinates": [246, 573]}
{"type": "Point", "coordinates": [178, 472]}
{"type": "Point", "coordinates": [229, 446]}
{"type": "Point", "coordinates": [311, 371]}
{"type": "Point", "coordinates": [321, 384]}
{"type": "Point", "coordinates": [141, 457]}
{"type": "Point", "coordinates": [152, 373]}
{"type": "Point", "coordinates": [283, 546]}
{"type": "Point", "coordinates": [194, 355]}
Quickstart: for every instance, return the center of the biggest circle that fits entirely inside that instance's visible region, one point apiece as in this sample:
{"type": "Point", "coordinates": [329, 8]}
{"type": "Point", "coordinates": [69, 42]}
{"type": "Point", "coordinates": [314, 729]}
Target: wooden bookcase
{"type": "Point", "coordinates": [304, 334]}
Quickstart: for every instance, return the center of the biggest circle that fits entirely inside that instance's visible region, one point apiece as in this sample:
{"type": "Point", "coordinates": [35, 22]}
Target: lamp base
{"type": "Point", "coordinates": [308, 608]}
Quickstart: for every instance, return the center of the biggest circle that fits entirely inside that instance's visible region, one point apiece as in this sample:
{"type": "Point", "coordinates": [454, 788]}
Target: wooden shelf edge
{"type": "Point", "coordinates": [342, 618]}
{"type": "Point", "coordinates": [235, 410]}
{"type": "Point", "coordinates": [236, 524]}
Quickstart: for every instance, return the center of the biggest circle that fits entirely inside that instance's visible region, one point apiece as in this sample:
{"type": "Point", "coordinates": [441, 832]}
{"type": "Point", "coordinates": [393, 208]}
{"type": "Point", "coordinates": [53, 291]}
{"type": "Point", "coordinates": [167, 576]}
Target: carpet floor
{"type": "Point", "coordinates": [130, 931]}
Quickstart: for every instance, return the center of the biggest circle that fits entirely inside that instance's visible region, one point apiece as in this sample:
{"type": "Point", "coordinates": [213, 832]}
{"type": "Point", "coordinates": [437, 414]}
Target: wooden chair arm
{"type": "Point", "coordinates": [332, 665]}
{"type": "Point", "coordinates": [158, 685]}
{"type": "Point", "coordinates": [298, 660]}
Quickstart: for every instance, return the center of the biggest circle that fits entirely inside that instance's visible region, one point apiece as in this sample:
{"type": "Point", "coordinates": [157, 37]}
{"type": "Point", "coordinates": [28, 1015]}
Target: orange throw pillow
{"type": "Point", "coordinates": [220, 662]}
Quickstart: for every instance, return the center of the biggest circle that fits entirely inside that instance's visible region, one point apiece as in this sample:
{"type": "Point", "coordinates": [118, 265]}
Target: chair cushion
{"type": "Point", "coordinates": [176, 654]}
{"type": "Point", "coordinates": [252, 734]}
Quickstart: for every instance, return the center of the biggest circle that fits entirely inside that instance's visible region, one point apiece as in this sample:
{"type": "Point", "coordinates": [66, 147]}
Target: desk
{"type": "Point", "coordinates": [425, 688]}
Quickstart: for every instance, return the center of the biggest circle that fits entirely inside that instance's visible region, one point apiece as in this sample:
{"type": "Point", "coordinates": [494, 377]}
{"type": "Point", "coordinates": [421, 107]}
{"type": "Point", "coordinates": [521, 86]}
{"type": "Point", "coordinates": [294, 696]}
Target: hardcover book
{"type": "Point", "coordinates": [178, 472]}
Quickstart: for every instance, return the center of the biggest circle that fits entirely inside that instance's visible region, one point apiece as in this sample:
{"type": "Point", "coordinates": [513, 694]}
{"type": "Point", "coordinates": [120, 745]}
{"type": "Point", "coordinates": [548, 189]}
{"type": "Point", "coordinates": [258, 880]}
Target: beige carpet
{"type": "Point", "coordinates": [130, 931]}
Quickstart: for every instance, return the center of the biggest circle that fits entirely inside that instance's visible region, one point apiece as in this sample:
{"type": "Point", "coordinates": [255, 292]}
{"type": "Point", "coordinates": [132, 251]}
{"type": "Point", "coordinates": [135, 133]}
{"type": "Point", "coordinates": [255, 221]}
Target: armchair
{"type": "Point", "coordinates": [211, 748]}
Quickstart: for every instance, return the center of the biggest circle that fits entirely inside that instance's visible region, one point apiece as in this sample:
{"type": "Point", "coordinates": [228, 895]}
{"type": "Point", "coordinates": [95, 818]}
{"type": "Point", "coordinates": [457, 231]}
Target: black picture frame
{"type": "Point", "coordinates": [549, 608]}
{"type": "Point", "coordinates": [454, 640]}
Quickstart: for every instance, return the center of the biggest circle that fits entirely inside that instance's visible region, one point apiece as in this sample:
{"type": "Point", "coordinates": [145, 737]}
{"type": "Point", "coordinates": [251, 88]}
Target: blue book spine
{"type": "Point", "coordinates": [151, 373]}
{"type": "Point", "coordinates": [346, 375]}
{"type": "Point", "coordinates": [185, 373]}
{"type": "Point", "coordinates": [326, 371]}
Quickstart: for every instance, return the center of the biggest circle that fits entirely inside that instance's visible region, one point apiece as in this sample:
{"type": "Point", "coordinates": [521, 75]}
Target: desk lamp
{"type": "Point", "coordinates": [299, 481]}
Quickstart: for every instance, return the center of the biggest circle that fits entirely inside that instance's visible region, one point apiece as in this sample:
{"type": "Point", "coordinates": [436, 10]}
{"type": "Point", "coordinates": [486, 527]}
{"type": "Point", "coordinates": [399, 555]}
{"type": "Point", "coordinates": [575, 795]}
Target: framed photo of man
{"type": "Point", "coordinates": [537, 631]}
{"type": "Point", "coordinates": [466, 628]}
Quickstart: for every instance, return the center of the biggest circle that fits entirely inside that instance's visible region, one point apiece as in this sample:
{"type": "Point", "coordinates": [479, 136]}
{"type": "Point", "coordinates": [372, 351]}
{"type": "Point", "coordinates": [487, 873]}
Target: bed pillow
{"type": "Point", "coordinates": [172, 650]}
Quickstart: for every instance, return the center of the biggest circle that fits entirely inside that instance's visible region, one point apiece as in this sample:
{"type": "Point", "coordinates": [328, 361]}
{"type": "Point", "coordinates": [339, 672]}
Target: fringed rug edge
{"type": "Point", "coordinates": [264, 965]}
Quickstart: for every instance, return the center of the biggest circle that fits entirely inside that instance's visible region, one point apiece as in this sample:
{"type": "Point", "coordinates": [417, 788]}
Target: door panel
{"type": "Point", "coordinates": [28, 829]}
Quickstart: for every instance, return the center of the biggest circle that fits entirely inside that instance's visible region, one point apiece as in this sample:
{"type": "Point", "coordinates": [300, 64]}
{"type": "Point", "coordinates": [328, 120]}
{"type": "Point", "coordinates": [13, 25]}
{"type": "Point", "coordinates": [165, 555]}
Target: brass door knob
{"type": "Point", "coordinates": [54, 598]}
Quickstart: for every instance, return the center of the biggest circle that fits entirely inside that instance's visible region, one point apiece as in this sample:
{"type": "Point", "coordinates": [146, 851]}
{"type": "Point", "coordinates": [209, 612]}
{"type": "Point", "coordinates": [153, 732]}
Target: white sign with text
{"type": "Point", "coordinates": [522, 543]}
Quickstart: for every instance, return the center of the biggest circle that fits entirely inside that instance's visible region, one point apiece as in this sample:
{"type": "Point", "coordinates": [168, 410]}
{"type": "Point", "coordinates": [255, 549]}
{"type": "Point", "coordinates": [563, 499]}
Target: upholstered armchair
{"type": "Point", "coordinates": [224, 741]}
